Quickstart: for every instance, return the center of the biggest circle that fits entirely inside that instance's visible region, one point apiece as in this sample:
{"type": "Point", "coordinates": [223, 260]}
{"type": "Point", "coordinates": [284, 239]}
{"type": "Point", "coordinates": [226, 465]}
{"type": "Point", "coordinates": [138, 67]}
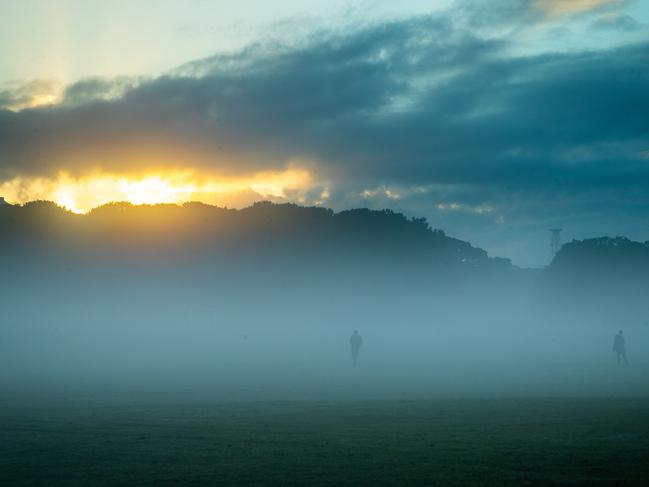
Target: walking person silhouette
{"type": "Point", "coordinates": [619, 347]}
{"type": "Point", "coordinates": [355, 341]}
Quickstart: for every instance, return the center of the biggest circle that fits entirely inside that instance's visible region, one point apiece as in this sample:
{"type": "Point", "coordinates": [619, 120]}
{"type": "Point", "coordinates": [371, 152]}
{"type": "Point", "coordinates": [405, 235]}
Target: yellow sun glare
{"type": "Point", "coordinates": [80, 195]}
{"type": "Point", "coordinates": [154, 190]}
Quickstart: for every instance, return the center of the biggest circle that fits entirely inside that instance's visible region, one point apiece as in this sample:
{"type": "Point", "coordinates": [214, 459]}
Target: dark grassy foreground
{"type": "Point", "coordinates": [479, 442]}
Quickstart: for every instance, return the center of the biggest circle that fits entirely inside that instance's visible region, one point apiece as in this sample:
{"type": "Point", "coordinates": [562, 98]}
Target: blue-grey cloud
{"type": "Point", "coordinates": [616, 21]}
{"type": "Point", "coordinates": [20, 95]}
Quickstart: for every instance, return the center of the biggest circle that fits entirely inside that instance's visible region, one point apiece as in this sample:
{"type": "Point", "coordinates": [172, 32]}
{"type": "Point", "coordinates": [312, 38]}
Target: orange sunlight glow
{"type": "Point", "coordinates": [81, 195]}
{"type": "Point", "coordinates": [560, 8]}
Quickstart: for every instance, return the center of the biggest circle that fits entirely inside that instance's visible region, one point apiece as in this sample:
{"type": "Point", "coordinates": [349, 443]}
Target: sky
{"type": "Point", "coordinates": [496, 120]}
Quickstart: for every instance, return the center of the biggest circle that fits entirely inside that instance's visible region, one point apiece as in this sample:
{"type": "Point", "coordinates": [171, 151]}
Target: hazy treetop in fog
{"type": "Point", "coordinates": [262, 228]}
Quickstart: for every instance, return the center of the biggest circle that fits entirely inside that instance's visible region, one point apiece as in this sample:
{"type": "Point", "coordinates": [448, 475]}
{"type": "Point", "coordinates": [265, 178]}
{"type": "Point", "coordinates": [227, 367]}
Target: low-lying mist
{"type": "Point", "coordinates": [270, 314]}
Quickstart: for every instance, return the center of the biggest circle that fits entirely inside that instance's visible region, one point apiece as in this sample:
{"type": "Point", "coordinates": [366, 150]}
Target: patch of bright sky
{"type": "Point", "coordinates": [579, 32]}
{"type": "Point", "coordinates": [67, 40]}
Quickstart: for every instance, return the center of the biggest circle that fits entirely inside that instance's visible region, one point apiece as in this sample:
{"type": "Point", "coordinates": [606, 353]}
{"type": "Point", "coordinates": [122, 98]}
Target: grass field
{"type": "Point", "coordinates": [381, 442]}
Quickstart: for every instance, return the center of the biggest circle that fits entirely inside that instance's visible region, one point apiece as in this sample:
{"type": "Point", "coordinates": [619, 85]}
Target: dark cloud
{"type": "Point", "coordinates": [19, 95]}
{"type": "Point", "coordinates": [97, 89]}
{"type": "Point", "coordinates": [430, 111]}
{"type": "Point", "coordinates": [616, 21]}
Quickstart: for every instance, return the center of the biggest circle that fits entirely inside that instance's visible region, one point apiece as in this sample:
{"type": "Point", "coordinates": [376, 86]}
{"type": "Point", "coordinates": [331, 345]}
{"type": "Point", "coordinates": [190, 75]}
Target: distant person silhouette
{"type": "Point", "coordinates": [355, 341]}
{"type": "Point", "coordinates": [619, 349]}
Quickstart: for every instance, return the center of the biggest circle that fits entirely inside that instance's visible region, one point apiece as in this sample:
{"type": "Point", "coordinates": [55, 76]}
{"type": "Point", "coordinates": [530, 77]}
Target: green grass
{"type": "Point", "coordinates": [468, 442]}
